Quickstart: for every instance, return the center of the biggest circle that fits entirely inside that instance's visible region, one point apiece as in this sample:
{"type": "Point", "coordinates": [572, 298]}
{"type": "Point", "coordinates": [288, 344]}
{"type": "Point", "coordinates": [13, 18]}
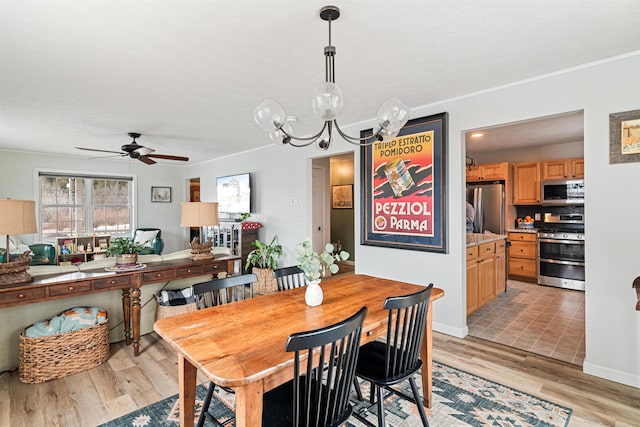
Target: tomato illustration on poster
{"type": "Point", "coordinates": [404, 187]}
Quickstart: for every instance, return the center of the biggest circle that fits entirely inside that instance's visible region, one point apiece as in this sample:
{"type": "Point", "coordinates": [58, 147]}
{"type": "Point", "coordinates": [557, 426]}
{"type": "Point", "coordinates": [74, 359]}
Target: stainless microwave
{"type": "Point", "coordinates": [563, 192]}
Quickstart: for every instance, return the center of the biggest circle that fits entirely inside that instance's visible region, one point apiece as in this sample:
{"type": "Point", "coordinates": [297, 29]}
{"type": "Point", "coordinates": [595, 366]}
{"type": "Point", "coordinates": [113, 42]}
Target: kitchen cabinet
{"type": "Point", "coordinates": [472, 279]}
{"type": "Point", "coordinates": [563, 169]}
{"type": "Point", "coordinates": [523, 253]}
{"type": "Point", "coordinates": [484, 278]}
{"type": "Point", "coordinates": [488, 172]}
{"type": "Point", "coordinates": [526, 183]}
{"type": "Point", "coordinates": [486, 273]}
{"type": "Point", "coordinates": [501, 266]}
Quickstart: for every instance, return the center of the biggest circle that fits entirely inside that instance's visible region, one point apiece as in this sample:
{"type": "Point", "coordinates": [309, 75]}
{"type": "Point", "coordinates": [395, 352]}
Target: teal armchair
{"type": "Point", "coordinates": [151, 238]}
{"type": "Point", "coordinates": [43, 254]}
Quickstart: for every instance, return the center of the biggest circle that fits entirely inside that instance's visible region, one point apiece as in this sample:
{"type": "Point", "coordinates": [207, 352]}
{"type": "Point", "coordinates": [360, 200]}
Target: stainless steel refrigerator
{"type": "Point", "coordinates": [488, 202]}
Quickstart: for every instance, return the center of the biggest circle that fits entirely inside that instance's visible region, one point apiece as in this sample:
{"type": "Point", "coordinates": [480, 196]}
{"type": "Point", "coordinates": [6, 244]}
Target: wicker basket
{"type": "Point", "coordinates": [266, 282]}
{"type": "Point", "coordinates": [163, 311]}
{"type": "Point", "coordinates": [57, 356]}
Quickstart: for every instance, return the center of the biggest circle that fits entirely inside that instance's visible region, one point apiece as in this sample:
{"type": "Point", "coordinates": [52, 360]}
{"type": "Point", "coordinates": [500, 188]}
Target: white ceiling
{"type": "Point", "coordinates": [557, 129]}
{"type": "Point", "coordinates": [187, 74]}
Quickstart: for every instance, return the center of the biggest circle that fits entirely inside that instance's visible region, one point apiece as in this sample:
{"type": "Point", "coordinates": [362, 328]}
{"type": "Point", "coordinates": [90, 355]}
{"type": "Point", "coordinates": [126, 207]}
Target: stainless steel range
{"type": "Point", "coordinates": [561, 251]}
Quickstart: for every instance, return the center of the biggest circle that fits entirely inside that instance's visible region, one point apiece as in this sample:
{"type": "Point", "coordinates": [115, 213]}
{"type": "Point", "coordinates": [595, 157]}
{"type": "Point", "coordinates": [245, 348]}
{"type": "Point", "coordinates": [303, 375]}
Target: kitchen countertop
{"type": "Point", "coordinates": [474, 239]}
{"type": "Point", "coordinates": [523, 230]}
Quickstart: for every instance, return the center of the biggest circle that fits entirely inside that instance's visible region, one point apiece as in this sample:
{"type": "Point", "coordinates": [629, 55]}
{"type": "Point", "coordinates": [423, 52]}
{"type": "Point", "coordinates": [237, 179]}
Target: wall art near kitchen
{"type": "Point", "coordinates": [342, 196]}
{"type": "Point", "coordinates": [404, 187]}
{"type": "Point", "coordinates": [624, 137]}
{"type": "Point", "coordinates": [161, 194]}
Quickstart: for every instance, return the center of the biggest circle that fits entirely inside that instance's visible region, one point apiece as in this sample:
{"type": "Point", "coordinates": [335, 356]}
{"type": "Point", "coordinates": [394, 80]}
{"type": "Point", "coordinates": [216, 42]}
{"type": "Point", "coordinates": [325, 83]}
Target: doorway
{"type": "Point", "coordinates": [333, 222]}
{"type": "Point", "coordinates": [194, 196]}
{"type": "Point", "coordinates": [540, 319]}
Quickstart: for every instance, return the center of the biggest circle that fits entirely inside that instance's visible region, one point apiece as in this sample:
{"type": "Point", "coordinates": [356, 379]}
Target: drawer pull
{"type": "Point", "coordinates": [159, 275]}
{"type": "Point", "coordinates": [522, 267]}
{"type": "Point", "coordinates": [488, 249]}
{"type": "Point", "coordinates": [113, 282]}
{"type": "Point", "coordinates": [70, 288]}
{"type": "Point", "coordinates": [521, 250]}
{"type": "Point", "coordinates": [20, 295]}
{"type": "Point", "coordinates": [188, 270]}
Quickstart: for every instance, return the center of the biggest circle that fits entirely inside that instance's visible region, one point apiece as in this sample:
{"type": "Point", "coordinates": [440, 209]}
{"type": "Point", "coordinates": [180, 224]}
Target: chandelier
{"type": "Point", "coordinates": [327, 102]}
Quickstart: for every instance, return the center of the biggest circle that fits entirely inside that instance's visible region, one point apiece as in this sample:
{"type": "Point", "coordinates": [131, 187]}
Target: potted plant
{"type": "Point", "coordinates": [263, 260]}
{"type": "Point", "coordinates": [125, 250]}
{"type": "Point", "coordinates": [314, 265]}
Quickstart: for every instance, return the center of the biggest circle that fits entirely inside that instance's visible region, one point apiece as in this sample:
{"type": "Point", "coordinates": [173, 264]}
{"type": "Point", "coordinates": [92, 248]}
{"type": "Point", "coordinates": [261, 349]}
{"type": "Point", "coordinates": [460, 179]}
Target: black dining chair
{"type": "Point", "coordinates": [384, 364]}
{"type": "Point", "coordinates": [213, 293]}
{"type": "Point", "coordinates": [289, 277]}
{"type": "Point", "coordinates": [317, 397]}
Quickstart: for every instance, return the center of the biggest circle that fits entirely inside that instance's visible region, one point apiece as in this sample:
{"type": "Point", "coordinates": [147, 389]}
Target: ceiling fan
{"type": "Point", "coordinates": [137, 151]}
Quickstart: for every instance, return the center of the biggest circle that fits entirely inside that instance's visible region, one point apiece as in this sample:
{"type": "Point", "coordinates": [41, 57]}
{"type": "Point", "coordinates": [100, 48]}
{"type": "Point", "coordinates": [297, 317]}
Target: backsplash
{"type": "Point", "coordinates": [522, 211]}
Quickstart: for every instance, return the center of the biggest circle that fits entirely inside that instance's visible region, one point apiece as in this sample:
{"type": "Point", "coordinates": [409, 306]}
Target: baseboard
{"type": "Point", "coordinates": [446, 329]}
{"type": "Point", "coordinates": [611, 374]}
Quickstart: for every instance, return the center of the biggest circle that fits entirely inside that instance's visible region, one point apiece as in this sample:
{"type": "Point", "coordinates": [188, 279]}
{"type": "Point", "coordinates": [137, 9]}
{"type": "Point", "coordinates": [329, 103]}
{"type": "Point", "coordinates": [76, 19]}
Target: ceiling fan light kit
{"type": "Point", "coordinates": [327, 103]}
{"type": "Point", "coordinates": [139, 152]}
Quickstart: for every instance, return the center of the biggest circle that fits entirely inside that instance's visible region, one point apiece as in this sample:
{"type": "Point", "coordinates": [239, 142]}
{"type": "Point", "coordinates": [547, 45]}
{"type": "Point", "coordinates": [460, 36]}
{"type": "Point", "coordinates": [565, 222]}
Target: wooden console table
{"type": "Point", "coordinates": [51, 287]}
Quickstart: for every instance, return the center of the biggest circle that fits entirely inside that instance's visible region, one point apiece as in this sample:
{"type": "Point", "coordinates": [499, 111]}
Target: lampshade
{"type": "Point", "coordinates": [18, 217]}
{"type": "Point", "coordinates": [199, 214]}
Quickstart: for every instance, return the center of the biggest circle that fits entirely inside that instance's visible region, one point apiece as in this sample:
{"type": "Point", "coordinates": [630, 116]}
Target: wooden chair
{"type": "Point", "coordinates": [223, 291]}
{"type": "Point", "coordinates": [218, 292]}
{"type": "Point", "coordinates": [317, 396]}
{"type": "Point", "coordinates": [289, 278]}
{"type": "Point", "coordinates": [386, 363]}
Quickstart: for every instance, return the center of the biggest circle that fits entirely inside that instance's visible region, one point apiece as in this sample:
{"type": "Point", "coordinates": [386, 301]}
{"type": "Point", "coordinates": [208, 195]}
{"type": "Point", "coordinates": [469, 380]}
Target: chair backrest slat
{"type": "Point", "coordinates": [223, 291]}
{"type": "Point", "coordinates": [289, 277]}
{"type": "Point", "coordinates": [321, 396]}
{"type": "Point", "coordinates": [406, 324]}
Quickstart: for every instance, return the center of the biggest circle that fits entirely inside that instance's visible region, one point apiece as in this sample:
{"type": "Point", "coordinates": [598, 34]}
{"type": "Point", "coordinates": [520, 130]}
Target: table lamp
{"type": "Point", "coordinates": [200, 214]}
{"type": "Point", "coordinates": [18, 217]}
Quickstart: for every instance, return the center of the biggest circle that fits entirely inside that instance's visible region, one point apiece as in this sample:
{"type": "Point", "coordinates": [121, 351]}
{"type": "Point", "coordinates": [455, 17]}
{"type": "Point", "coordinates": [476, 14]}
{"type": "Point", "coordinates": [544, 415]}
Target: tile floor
{"type": "Point", "coordinates": [540, 319]}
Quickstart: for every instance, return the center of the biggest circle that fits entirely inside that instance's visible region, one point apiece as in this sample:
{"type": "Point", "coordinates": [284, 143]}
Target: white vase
{"type": "Point", "coordinates": [313, 295]}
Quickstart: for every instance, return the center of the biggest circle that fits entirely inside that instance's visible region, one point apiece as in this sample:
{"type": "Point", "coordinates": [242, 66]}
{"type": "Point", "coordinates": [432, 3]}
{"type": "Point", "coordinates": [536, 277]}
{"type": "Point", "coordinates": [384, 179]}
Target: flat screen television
{"type": "Point", "coordinates": [234, 193]}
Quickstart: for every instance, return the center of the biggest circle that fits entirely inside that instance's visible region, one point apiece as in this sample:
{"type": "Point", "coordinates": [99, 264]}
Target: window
{"type": "Point", "coordinates": [76, 205]}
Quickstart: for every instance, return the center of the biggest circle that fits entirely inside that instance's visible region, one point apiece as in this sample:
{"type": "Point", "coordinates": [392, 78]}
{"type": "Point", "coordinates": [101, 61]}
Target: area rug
{"type": "Point", "coordinates": [459, 399]}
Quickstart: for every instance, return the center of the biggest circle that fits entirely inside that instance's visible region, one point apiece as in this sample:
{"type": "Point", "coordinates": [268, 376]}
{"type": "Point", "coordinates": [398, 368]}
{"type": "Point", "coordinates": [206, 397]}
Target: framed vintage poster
{"type": "Point", "coordinates": [342, 196]}
{"type": "Point", "coordinates": [161, 194]}
{"type": "Point", "coordinates": [624, 137]}
{"type": "Point", "coordinates": [404, 187]}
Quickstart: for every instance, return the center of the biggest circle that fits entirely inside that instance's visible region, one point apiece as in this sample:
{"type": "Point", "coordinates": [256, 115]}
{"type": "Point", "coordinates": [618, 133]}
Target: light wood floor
{"type": "Point", "coordinates": [125, 383]}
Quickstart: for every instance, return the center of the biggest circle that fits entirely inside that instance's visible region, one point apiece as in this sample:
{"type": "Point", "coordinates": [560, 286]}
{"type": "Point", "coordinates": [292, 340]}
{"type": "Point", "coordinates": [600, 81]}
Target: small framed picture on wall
{"type": "Point", "coordinates": [161, 194]}
{"type": "Point", "coordinates": [342, 196]}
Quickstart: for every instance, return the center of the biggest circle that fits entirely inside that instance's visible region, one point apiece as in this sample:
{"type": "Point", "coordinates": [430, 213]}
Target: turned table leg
{"type": "Point", "coordinates": [135, 309]}
{"type": "Point", "coordinates": [126, 314]}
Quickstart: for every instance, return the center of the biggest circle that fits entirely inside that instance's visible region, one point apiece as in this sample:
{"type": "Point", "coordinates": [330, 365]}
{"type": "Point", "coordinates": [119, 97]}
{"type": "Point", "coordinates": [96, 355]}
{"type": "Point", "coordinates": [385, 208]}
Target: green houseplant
{"type": "Point", "coordinates": [314, 265]}
{"type": "Point", "coordinates": [263, 260]}
{"type": "Point", "coordinates": [125, 250]}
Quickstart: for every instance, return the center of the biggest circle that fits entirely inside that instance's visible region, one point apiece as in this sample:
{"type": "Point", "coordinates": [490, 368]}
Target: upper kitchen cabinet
{"type": "Point", "coordinates": [526, 183]}
{"type": "Point", "coordinates": [488, 172]}
{"type": "Point", "coordinates": [563, 169]}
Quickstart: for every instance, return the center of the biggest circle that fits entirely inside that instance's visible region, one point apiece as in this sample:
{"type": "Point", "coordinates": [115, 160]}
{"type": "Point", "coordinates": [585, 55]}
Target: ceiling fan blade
{"type": "Point", "coordinates": [168, 157]}
{"type": "Point", "coordinates": [146, 159]}
{"type": "Point", "coordinates": [102, 151]}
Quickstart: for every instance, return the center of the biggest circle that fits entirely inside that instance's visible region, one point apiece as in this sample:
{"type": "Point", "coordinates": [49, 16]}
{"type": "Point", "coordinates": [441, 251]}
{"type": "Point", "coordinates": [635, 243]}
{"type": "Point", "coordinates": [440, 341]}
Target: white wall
{"type": "Point", "coordinates": [613, 204]}
{"type": "Point", "coordinates": [612, 210]}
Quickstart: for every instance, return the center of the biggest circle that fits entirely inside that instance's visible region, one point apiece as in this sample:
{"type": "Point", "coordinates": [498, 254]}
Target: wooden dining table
{"type": "Point", "coordinates": [242, 345]}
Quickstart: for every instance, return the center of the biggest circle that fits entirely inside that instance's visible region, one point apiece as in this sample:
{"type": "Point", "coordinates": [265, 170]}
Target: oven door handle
{"type": "Point", "coordinates": [556, 261]}
{"type": "Point", "coordinates": [564, 242]}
